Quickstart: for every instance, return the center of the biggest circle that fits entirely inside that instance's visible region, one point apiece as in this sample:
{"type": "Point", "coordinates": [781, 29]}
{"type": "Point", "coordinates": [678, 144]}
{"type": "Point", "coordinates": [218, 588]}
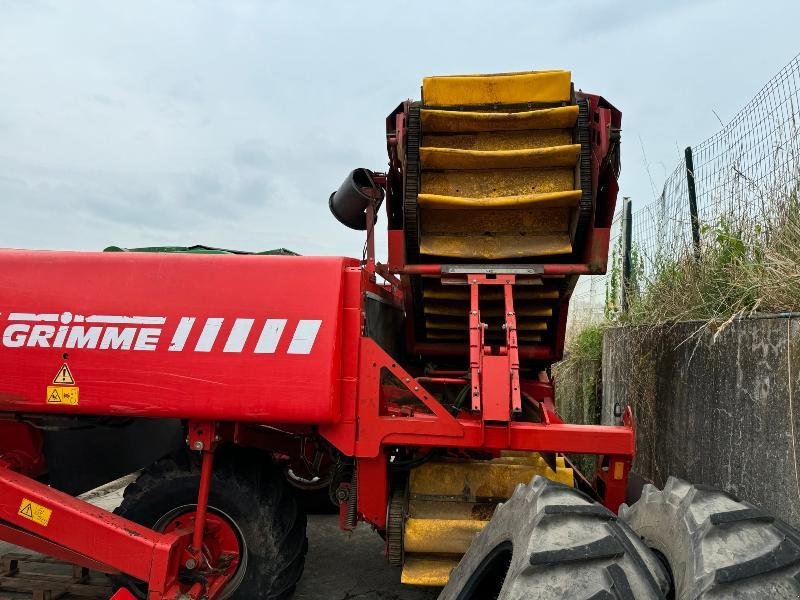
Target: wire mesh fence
{"type": "Point", "coordinates": [743, 175]}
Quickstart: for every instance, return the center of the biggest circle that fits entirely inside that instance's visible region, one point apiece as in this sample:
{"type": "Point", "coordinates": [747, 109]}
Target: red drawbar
{"type": "Point", "coordinates": [65, 527]}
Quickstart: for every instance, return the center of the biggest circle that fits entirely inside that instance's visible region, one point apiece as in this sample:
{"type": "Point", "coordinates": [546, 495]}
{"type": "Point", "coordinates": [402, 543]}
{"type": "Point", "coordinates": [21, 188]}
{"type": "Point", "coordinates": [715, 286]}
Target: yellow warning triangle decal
{"type": "Point", "coordinates": [54, 398]}
{"type": "Point", "coordinates": [27, 510]}
{"type": "Point", "coordinates": [64, 376]}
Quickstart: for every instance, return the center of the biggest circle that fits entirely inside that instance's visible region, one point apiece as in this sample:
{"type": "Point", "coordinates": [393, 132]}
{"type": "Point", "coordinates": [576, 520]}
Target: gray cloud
{"type": "Point", "coordinates": [251, 153]}
{"type": "Point", "coordinates": [229, 123]}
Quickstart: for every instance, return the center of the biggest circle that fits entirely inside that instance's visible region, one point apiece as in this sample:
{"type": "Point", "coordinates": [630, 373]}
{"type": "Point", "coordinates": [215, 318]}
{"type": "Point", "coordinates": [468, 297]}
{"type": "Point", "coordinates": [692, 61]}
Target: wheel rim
{"type": "Point", "coordinates": [223, 536]}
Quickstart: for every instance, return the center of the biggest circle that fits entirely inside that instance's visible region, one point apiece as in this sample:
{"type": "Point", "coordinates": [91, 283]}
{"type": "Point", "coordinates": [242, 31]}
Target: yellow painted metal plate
{"type": "Point", "coordinates": [452, 336]}
{"type": "Point", "coordinates": [533, 311]}
{"type": "Point", "coordinates": [495, 247]}
{"type": "Point", "coordinates": [517, 457]}
{"type": "Point", "coordinates": [480, 479]}
{"type": "Point", "coordinates": [446, 336]}
{"type": "Point", "coordinates": [499, 140]}
{"type": "Point", "coordinates": [497, 183]}
{"type": "Point", "coordinates": [446, 307]}
{"type": "Point", "coordinates": [561, 117]}
{"type": "Point", "coordinates": [440, 536]}
{"type": "Point", "coordinates": [529, 339]}
{"type": "Point", "coordinates": [450, 501]}
{"type": "Point", "coordinates": [451, 310]}
{"type": "Point", "coordinates": [475, 223]}
{"type": "Point", "coordinates": [500, 88]}
{"type": "Point", "coordinates": [445, 324]}
{"type": "Point", "coordinates": [455, 158]}
{"type": "Point", "coordinates": [432, 571]}
{"type": "Point", "coordinates": [520, 293]}
{"type": "Point", "coordinates": [454, 310]}
{"type": "Point", "coordinates": [484, 234]}
{"type": "Point", "coordinates": [447, 509]}
{"type": "Point", "coordinates": [566, 199]}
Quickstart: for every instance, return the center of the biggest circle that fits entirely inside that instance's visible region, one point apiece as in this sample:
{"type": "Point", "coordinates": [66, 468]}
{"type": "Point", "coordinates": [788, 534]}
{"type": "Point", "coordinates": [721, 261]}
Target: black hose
{"type": "Point", "coordinates": [462, 395]}
{"type": "Point", "coordinates": [414, 462]}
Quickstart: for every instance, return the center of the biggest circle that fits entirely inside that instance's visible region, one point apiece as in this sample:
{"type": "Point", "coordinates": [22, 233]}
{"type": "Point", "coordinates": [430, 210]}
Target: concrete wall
{"type": "Point", "coordinates": [713, 407]}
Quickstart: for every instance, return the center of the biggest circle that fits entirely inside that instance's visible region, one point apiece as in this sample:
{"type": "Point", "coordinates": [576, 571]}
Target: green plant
{"type": "Point", "coordinates": [587, 344]}
{"type": "Point", "coordinates": [745, 264]}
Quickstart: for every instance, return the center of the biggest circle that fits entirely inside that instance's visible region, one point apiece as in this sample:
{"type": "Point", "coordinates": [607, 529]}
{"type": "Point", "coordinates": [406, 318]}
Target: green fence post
{"type": "Point", "coordinates": [626, 254]}
{"type": "Point", "coordinates": [690, 183]}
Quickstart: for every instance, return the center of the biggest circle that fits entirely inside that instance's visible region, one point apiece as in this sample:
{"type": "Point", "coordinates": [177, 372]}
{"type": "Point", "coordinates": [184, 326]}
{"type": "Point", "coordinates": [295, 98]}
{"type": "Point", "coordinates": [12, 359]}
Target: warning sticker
{"type": "Point", "coordinates": [34, 512]}
{"type": "Point", "coordinates": [64, 376]}
{"type": "Point", "coordinates": [62, 395]}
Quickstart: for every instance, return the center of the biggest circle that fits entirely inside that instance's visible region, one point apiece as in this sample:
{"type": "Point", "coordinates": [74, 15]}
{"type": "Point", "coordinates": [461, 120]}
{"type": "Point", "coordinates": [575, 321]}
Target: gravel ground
{"type": "Point", "coordinates": [338, 566]}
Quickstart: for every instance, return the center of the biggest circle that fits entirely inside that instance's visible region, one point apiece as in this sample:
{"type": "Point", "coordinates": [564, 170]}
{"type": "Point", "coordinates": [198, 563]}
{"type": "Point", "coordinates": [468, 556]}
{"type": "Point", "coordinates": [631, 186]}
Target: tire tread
{"type": "Point", "coordinates": [564, 545]}
{"type": "Point", "coordinates": [734, 550]}
{"type": "Point", "coordinates": [245, 478]}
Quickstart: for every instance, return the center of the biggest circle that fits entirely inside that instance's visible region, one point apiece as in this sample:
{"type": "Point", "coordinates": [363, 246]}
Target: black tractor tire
{"type": "Point", "coordinates": [253, 495]}
{"type": "Point", "coordinates": [550, 542]}
{"type": "Point", "coordinates": [715, 545]}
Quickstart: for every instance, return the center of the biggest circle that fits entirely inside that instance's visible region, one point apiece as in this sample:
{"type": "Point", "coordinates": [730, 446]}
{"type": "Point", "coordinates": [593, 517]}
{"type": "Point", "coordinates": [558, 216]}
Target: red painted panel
{"type": "Point", "coordinates": [196, 336]}
{"type": "Point", "coordinates": [496, 388]}
{"type": "Point", "coordinates": [21, 448]}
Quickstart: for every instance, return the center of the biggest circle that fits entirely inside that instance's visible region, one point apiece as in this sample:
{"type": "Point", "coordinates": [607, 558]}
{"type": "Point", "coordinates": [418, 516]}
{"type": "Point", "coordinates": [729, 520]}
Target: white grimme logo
{"type": "Point", "coordinates": [116, 332]}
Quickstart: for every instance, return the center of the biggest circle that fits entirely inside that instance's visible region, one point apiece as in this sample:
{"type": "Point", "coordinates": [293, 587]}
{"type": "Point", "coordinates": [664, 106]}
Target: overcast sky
{"type": "Point", "coordinates": [229, 123]}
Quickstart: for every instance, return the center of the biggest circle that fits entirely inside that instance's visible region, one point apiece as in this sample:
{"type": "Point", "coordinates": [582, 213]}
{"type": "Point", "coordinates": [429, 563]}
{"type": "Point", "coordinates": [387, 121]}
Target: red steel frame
{"type": "Point", "coordinates": [90, 536]}
{"type": "Point", "coordinates": [361, 426]}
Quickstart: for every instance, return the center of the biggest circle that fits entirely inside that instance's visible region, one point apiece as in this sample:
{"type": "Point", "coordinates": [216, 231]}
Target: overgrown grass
{"type": "Point", "coordinates": [587, 344]}
{"type": "Point", "coordinates": [744, 266]}
{"type": "Point", "coordinates": [577, 385]}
